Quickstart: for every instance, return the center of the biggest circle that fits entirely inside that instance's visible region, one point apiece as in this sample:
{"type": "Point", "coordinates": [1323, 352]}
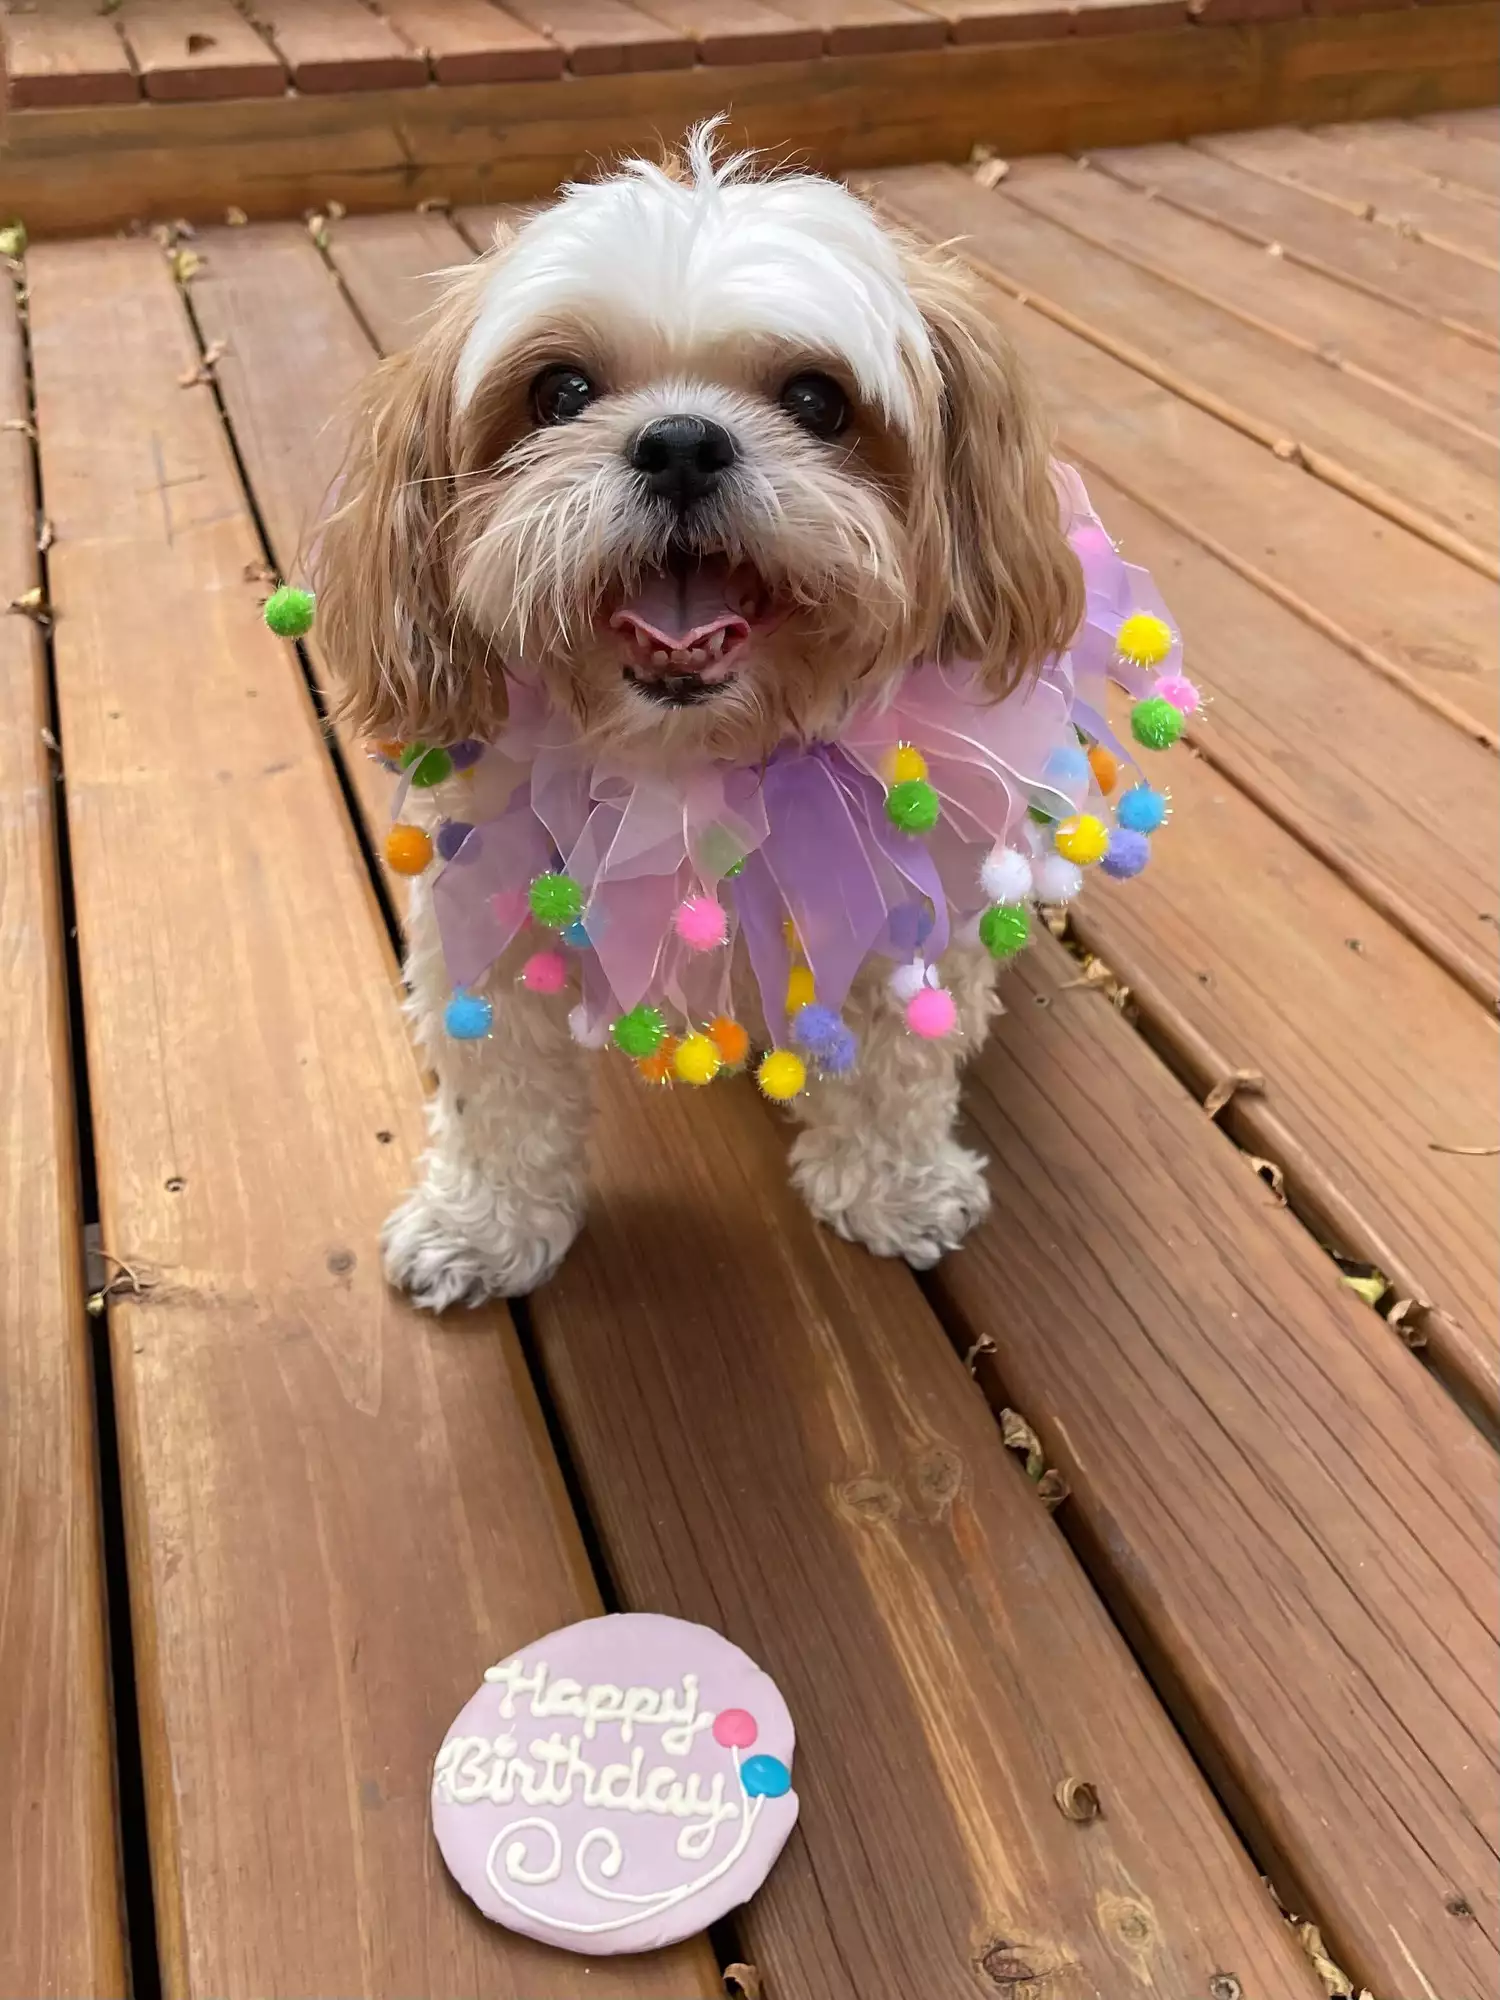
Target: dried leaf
{"type": "Point", "coordinates": [1274, 250]}
{"type": "Point", "coordinates": [1372, 1289]}
{"type": "Point", "coordinates": [1271, 1174]}
{"type": "Point", "coordinates": [236, 218]}
{"type": "Point", "coordinates": [46, 535]}
{"type": "Point", "coordinates": [1018, 1435]}
{"type": "Point", "coordinates": [257, 572]}
{"type": "Point", "coordinates": [31, 604]}
{"type": "Point", "coordinates": [1463, 1152]}
{"type": "Point", "coordinates": [1077, 1800]}
{"type": "Point", "coordinates": [1288, 451]}
{"type": "Point", "coordinates": [186, 264]}
{"type": "Point", "coordinates": [742, 1982]}
{"type": "Point", "coordinates": [1224, 1986]}
{"type": "Point", "coordinates": [1336, 1983]}
{"type": "Point", "coordinates": [1248, 1081]}
{"type": "Point", "coordinates": [1052, 1489]}
{"type": "Point", "coordinates": [203, 370]}
{"type": "Point", "coordinates": [317, 229]}
{"type": "Point", "coordinates": [336, 211]}
{"type": "Point", "coordinates": [13, 240]}
{"type": "Point", "coordinates": [50, 740]}
{"type": "Point", "coordinates": [22, 424]}
{"type": "Point", "coordinates": [197, 42]}
{"type": "Point", "coordinates": [990, 173]}
{"type": "Point", "coordinates": [1406, 1316]}
{"type": "Point", "coordinates": [984, 1345]}
{"type": "Point", "coordinates": [434, 204]}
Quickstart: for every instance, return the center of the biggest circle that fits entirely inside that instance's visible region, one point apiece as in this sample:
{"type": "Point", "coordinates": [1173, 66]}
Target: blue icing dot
{"type": "Point", "coordinates": [1141, 809]}
{"type": "Point", "coordinates": [765, 1778]}
{"type": "Point", "coordinates": [468, 1017]}
{"type": "Point", "coordinates": [576, 935]}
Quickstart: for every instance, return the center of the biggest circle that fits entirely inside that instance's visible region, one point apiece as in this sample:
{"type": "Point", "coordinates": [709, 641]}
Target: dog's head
{"type": "Point", "coordinates": [712, 452]}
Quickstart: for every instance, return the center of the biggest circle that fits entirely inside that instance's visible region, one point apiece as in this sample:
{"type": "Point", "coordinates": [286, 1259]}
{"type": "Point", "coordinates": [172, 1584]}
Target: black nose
{"type": "Point", "coordinates": [682, 457]}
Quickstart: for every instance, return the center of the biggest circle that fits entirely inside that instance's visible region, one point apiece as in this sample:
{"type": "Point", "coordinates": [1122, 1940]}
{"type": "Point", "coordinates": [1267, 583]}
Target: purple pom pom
{"type": "Point", "coordinates": [1127, 855]}
{"type": "Point", "coordinates": [451, 836]}
{"type": "Point", "coordinates": [815, 1028]}
{"type": "Point", "coordinates": [838, 1053]}
{"type": "Point", "coordinates": [466, 754]}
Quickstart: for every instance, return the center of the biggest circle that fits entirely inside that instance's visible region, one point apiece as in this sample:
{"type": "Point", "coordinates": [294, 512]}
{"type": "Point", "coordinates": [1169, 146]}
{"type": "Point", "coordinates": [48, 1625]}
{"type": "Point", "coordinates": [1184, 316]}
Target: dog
{"type": "Point", "coordinates": [713, 455]}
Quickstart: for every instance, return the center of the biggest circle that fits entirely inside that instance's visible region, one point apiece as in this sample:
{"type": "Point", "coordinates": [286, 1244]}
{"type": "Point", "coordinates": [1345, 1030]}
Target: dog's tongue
{"type": "Point", "coordinates": [675, 609]}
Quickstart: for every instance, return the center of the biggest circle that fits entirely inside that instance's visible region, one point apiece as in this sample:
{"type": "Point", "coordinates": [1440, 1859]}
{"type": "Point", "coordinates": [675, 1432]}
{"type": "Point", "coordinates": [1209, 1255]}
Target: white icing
{"type": "Point", "coordinates": [673, 1710]}
{"type": "Point", "coordinates": [515, 1854]}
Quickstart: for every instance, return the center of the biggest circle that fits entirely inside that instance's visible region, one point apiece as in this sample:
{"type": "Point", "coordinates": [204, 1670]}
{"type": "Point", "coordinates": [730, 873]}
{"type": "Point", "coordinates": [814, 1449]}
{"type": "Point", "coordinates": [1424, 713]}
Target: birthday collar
{"type": "Point", "coordinates": [936, 816]}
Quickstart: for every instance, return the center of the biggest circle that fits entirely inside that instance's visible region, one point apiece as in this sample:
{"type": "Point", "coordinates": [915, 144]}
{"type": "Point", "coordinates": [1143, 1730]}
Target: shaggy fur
{"type": "Point", "coordinates": [473, 530]}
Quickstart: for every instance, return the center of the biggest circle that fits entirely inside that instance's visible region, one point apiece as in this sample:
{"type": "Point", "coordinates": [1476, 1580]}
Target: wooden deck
{"type": "Point", "coordinates": [261, 1526]}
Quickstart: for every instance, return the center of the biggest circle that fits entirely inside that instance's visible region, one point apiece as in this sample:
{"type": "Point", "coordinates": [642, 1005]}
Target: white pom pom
{"type": "Point", "coordinates": [590, 1035]}
{"type": "Point", "coordinates": [1054, 880]}
{"type": "Point", "coordinates": [1005, 876]}
{"type": "Point", "coordinates": [907, 981]}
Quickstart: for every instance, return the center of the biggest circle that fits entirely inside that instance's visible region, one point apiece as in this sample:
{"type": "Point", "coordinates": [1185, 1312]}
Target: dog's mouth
{"type": "Point", "coordinates": [684, 624]}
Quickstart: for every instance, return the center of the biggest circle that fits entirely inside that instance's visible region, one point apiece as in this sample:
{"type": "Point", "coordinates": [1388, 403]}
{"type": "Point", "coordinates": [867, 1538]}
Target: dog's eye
{"type": "Point", "coordinates": [560, 394]}
{"type": "Point", "coordinates": [817, 403]}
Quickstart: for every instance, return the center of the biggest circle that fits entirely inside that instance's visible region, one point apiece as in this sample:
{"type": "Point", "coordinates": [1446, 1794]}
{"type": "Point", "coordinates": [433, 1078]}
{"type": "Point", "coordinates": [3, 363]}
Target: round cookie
{"type": "Point", "coordinates": [617, 1785]}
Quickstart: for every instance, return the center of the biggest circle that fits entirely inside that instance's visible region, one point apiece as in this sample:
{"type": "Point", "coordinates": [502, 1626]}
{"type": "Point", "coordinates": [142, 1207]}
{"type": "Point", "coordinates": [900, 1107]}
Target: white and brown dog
{"type": "Point", "coordinates": [718, 455]}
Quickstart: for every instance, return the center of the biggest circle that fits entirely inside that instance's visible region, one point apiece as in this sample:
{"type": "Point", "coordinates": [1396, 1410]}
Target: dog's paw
{"type": "Point", "coordinates": [895, 1208]}
{"type": "Point", "coordinates": [444, 1253]}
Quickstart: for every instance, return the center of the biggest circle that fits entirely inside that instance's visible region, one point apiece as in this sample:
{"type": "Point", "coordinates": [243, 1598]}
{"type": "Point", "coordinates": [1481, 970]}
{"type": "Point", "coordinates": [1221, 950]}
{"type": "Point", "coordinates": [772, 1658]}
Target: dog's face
{"type": "Point", "coordinates": [713, 455]}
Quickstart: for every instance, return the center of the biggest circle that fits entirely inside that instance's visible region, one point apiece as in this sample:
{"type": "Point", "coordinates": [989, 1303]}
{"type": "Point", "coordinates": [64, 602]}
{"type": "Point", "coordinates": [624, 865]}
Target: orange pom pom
{"type": "Point", "coordinates": [657, 1068]}
{"type": "Point", "coordinates": [408, 849]}
{"type": "Point", "coordinates": [730, 1039]}
{"type": "Point", "coordinates": [1105, 767]}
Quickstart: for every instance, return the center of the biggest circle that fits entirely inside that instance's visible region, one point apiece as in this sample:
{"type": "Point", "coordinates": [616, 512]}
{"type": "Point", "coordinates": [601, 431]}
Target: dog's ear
{"type": "Point", "coordinates": [1012, 587]}
{"type": "Point", "coordinates": [407, 663]}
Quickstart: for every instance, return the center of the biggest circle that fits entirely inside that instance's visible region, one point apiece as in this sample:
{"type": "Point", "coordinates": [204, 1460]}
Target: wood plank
{"type": "Point", "coordinates": [977, 21]}
{"type": "Point", "coordinates": [68, 55]}
{"type": "Point", "coordinates": [1295, 1522]}
{"type": "Point", "coordinates": [338, 45]}
{"type": "Point", "coordinates": [739, 31]}
{"type": "Point", "coordinates": [469, 41]}
{"type": "Point", "coordinates": [256, 1106]}
{"type": "Point", "coordinates": [1482, 122]}
{"type": "Point", "coordinates": [1418, 276]}
{"type": "Point", "coordinates": [1437, 372]}
{"type": "Point", "coordinates": [198, 48]}
{"type": "Point", "coordinates": [604, 37]}
{"type": "Point", "coordinates": [1365, 184]}
{"type": "Point", "coordinates": [889, 1501]}
{"type": "Point", "coordinates": [61, 1927]}
{"type": "Point", "coordinates": [868, 27]}
{"type": "Point", "coordinates": [385, 263]}
{"type": "Point", "coordinates": [1447, 157]}
{"type": "Point", "coordinates": [99, 168]}
{"type": "Point", "coordinates": [1383, 454]}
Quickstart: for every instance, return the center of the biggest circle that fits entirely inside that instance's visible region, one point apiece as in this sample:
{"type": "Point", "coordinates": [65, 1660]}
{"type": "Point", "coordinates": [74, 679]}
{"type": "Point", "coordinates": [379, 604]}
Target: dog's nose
{"type": "Point", "coordinates": [682, 457]}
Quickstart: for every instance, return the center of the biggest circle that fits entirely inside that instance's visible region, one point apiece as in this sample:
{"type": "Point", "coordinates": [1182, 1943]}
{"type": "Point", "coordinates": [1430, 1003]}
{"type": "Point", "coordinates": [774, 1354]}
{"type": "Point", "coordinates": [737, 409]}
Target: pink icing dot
{"type": "Point", "coordinates": [1179, 690]}
{"type": "Point", "coordinates": [931, 1013]}
{"type": "Point", "coordinates": [700, 923]}
{"type": "Point", "coordinates": [545, 972]}
{"type": "Point", "coordinates": [735, 1728]}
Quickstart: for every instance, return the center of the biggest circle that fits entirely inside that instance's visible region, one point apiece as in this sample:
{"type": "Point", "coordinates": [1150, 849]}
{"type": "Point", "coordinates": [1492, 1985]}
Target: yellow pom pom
{"type": "Point", "coordinates": [1105, 767]}
{"type": "Point", "coordinates": [905, 765]}
{"type": "Point", "coordinates": [1082, 839]}
{"type": "Point", "coordinates": [657, 1068]}
{"type": "Point", "coordinates": [1144, 639]}
{"type": "Point", "coordinates": [800, 990]}
{"type": "Point", "coordinates": [781, 1075]}
{"type": "Point", "coordinates": [696, 1060]}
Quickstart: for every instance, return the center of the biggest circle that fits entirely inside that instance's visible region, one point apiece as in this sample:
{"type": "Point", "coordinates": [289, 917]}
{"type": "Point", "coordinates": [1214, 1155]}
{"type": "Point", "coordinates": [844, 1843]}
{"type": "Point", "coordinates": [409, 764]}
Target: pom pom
{"type": "Point", "coordinates": [700, 923]}
{"type": "Point", "coordinates": [906, 766]}
{"type": "Point", "coordinates": [1155, 724]}
{"type": "Point", "coordinates": [289, 612]}
{"type": "Point", "coordinates": [932, 1013]}
{"type": "Point", "coordinates": [1004, 930]}
{"type": "Point", "coordinates": [1144, 640]}
{"type": "Point", "coordinates": [1106, 768]}
{"type": "Point", "coordinates": [576, 935]}
{"type": "Point", "coordinates": [427, 767]}
{"type": "Point", "coordinates": [697, 1060]}
{"type": "Point", "coordinates": [839, 1053]}
{"type": "Point", "coordinates": [908, 980]}
{"type": "Point", "coordinates": [800, 990]}
{"type": "Point", "coordinates": [781, 1075]}
{"type": "Point", "coordinates": [730, 1039]}
{"type": "Point", "coordinates": [468, 1017]}
{"type": "Point", "coordinates": [640, 1032]}
{"type": "Point", "coordinates": [814, 1027]}
{"type": "Point", "coordinates": [1040, 815]}
{"type": "Point", "coordinates": [1067, 765]}
{"type": "Point", "coordinates": [545, 972]}
{"type": "Point", "coordinates": [408, 849]}
{"type": "Point", "coordinates": [1180, 691]}
{"type": "Point", "coordinates": [1128, 854]}
{"type": "Point", "coordinates": [1055, 880]}
{"type": "Point", "coordinates": [466, 755]}
{"type": "Point", "coordinates": [913, 806]}
{"type": "Point", "coordinates": [734, 868]}
{"type": "Point", "coordinates": [1142, 809]}
{"type": "Point", "coordinates": [588, 1034]}
{"type": "Point", "coordinates": [1082, 839]}
{"type": "Point", "coordinates": [1005, 876]}
{"type": "Point", "coordinates": [658, 1068]}
{"type": "Point", "coordinates": [555, 900]}
{"type": "Point", "coordinates": [451, 836]}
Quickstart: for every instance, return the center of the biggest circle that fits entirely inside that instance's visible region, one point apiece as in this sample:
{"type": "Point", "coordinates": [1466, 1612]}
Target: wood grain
{"type": "Point", "coordinates": [338, 45]}
{"type": "Point", "coordinates": [1442, 375]}
{"type": "Point", "coordinates": [1295, 1522]}
{"type": "Point", "coordinates": [1420, 277]}
{"type": "Point", "coordinates": [469, 41]}
{"type": "Point", "coordinates": [69, 54]}
{"type": "Point", "coordinates": [61, 1928]}
{"type": "Point", "coordinates": [739, 31]}
{"type": "Point", "coordinates": [101, 168]}
{"type": "Point", "coordinates": [337, 1511]}
{"type": "Point", "coordinates": [197, 49]}
{"type": "Point", "coordinates": [1452, 159]}
{"type": "Point", "coordinates": [868, 27]}
{"type": "Point", "coordinates": [605, 37]}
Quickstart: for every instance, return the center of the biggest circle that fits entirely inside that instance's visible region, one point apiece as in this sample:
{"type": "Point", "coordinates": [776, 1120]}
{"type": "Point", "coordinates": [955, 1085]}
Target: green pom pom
{"type": "Point", "coordinates": [639, 1033]}
{"type": "Point", "coordinates": [427, 767]}
{"type": "Point", "coordinates": [556, 901]}
{"type": "Point", "coordinates": [913, 805]}
{"type": "Point", "coordinates": [1155, 723]}
{"type": "Point", "coordinates": [734, 868]}
{"type": "Point", "coordinates": [1040, 815]}
{"type": "Point", "coordinates": [289, 612]}
{"type": "Point", "coordinates": [1004, 929]}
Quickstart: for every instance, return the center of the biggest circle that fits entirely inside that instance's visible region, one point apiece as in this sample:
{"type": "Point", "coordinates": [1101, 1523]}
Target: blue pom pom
{"type": "Point", "coordinates": [815, 1028]}
{"type": "Point", "coordinates": [765, 1778]}
{"type": "Point", "coordinates": [468, 1017]}
{"type": "Point", "coordinates": [576, 935]}
{"type": "Point", "coordinates": [451, 836]}
{"type": "Point", "coordinates": [1067, 766]}
{"type": "Point", "coordinates": [1141, 809]}
{"type": "Point", "coordinates": [837, 1055]}
{"type": "Point", "coordinates": [1127, 854]}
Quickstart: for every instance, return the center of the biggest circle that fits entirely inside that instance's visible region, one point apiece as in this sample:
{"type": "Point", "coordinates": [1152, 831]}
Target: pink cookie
{"type": "Point", "coordinates": [618, 1785]}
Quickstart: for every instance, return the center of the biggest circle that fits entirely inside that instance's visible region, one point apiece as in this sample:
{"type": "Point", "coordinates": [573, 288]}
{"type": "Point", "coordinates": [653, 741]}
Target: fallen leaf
{"type": "Point", "coordinates": [984, 1345]}
{"type": "Point", "coordinates": [1077, 1800]}
{"type": "Point", "coordinates": [1017, 1435]}
{"type": "Point", "coordinates": [236, 218]}
{"type": "Point", "coordinates": [1372, 1289]}
{"type": "Point", "coordinates": [1248, 1081]}
{"type": "Point", "coordinates": [336, 211]}
{"type": "Point", "coordinates": [13, 240]}
{"type": "Point", "coordinates": [46, 535]}
{"type": "Point", "coordinates": [317, 229]}
{"type": "Point", "coordinates": [186, 264]}
{"type": "Point", "coordinates": [990, 173]}
{"type": "Point", "coordinates": [1052, 1489]}
{"type": "Point", "coordinates": [1271, 1174]}
{"type": "Point", "coordinates": [1336, 1983]}
{"type": "Point", "coordinates": [197, 42]}
{"type": "Point", "coordinates": [434, 204]}
{"type": "Point", "coordinates": [742, 1982]}
{"type": "Point", "coordinates": [31, 604]}
{"type": "Point", "coordinates": [23, 424]}
{"type": "Point", "coordinates": [1463, 1152]}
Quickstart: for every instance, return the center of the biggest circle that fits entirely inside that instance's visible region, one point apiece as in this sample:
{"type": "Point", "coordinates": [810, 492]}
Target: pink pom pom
{"type": "Point", "coordinates": [545, 972]}
{"type": "Point", "coordinates": [1179, 690]}
{"type": "Point", "coordinates": [700, 923]}
{"type": "Point", "coordinates": [931, 1013]}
